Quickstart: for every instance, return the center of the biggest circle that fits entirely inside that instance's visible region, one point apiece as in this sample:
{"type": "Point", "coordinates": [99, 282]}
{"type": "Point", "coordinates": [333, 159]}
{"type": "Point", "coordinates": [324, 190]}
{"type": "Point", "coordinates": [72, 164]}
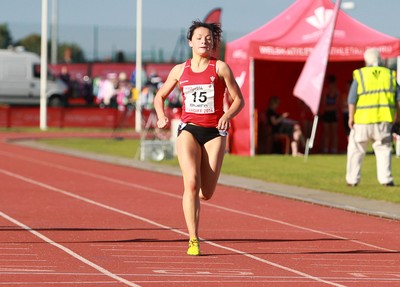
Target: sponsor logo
{"type": "Point", "coordinates": [239, 54]}
{"type": "Point", "coordinates": [320, 18]}
{"type": "Point", "coordinates": [281, 51]}
{"type": "Point", "coordinates": [240, 79]}
{"type": "Point", "coordinates": [183, 82]}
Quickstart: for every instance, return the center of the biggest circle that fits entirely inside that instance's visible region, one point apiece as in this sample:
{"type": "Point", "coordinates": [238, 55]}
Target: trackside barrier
{"type": "Point", "coordinates": [66, 117]}
{"type": "Point", "coordinates": [90, 117]}
{"type": "Point", "coordinates": [5, 120]}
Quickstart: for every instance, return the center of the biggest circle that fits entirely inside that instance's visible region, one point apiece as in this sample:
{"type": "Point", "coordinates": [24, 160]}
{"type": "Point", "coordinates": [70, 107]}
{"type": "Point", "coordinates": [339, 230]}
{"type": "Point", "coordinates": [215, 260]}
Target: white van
{"type": "Point", "coordinates": [20, 80]}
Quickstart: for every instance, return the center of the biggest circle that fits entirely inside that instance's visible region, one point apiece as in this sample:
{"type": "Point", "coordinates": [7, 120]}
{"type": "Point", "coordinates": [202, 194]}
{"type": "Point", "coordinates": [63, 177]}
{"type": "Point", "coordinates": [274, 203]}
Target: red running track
{"type": "Point", "coordinates": [68, 221]}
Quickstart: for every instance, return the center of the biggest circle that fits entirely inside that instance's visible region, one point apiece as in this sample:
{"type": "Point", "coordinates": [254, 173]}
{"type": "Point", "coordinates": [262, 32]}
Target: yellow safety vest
{"type": "Point", "coordinates": [376, 95]}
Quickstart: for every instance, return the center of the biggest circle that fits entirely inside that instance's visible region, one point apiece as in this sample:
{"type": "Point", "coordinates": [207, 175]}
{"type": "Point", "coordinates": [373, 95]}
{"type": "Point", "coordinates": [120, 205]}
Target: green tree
{"type": "Point", "coordinates": [31, 43]}
{"type": "Point", "coordinates": [72, 51]}
{"type": "Point", "coordinates": [5, 36]}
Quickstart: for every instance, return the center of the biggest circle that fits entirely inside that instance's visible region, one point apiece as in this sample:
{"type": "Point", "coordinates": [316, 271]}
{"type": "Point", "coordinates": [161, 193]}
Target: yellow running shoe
{"type": "Point", "coordinates": [194, 247]}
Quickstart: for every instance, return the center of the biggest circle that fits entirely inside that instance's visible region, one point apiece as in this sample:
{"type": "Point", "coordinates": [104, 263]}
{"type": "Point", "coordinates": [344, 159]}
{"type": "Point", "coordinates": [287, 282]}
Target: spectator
{"type": "Point", "coordinates": [345, 109]}
{"type": "Point", "coordinates": [396, 138]}
{"type": "Point", "coordinates": [330, 106]}
{"type": "Point", "coordinates": [281, 124]}
{"type": "Point", "coordinates": [66, 78]}
{"type": "Point", "coordinates": [123, 91]}
{"type": "Point", "coordinates": [106, 94]}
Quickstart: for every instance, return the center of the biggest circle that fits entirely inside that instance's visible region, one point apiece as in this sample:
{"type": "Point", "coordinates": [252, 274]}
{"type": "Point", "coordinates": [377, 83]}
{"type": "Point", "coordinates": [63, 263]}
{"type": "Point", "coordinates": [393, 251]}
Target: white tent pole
{"type": "Point", "coordinates": [43, 69]}
{"type": "Point", "coordinates": [138, 75]}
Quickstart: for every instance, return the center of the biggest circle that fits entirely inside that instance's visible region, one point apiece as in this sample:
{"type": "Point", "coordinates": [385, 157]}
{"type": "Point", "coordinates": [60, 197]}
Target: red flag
{"type": "Point", "coordinates": [309, 85]}
{"type": "Point", "coordinates": [214, 16]}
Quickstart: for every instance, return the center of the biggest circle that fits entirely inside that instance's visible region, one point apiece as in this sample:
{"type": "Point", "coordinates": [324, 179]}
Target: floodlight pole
{"type": "Point", "coordinates": [138, 75]}
{"type": "Point", "coordinates": [348, 5]}
{"type": "Point", "coordinates": [54, 30]}
{"type": "Point", "coordinates": [43, 69]}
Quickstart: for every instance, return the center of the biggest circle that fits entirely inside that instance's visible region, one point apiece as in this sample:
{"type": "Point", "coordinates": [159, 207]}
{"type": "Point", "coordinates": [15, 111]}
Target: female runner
{"type": "Point", "coordinates": [204, 125]}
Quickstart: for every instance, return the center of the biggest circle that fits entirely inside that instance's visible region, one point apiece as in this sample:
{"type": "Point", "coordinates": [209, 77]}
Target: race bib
{"type": "Point", "coordinates": [199, 99]}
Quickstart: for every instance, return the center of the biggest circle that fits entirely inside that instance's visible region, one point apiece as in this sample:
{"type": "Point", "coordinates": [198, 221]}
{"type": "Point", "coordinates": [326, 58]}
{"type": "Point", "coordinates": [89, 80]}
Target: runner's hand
{"type": "Point", "coordinates": [223, 124]}
{"type": "Point", "coordinates": [162, 123]}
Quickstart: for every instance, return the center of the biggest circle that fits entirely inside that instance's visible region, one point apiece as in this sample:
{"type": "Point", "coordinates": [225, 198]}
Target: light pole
{"type": "Point", "coordinates": [348, 5]}
{"type": "Point", "coordinates": [43, 69]}
{"type": "Point", "coordinates": [138, 75]}
{"type": "Point", "coordinates": [54, 30]}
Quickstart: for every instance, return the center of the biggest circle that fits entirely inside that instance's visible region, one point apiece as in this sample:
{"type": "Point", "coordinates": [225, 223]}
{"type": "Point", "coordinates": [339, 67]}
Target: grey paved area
{"type": "Point", "coordinates": [346, 202]}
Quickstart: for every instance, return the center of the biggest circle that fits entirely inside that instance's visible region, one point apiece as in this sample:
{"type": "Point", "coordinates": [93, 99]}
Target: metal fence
{"type": "Point", "coordinates": [105, 42]}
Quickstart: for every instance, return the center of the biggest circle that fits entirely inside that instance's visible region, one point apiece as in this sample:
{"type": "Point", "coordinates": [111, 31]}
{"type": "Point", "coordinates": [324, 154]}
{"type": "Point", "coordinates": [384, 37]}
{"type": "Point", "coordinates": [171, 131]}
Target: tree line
{"type": "Point", "coordinates": [32, 43]}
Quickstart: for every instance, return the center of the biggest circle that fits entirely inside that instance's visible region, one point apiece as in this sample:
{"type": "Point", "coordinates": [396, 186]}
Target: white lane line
{"type": "Point", "coordinates": [21, 260]}
{"type": "Point", "coordinates": [157, 191]}
{"type": "Point", "coordinates": [169, 263]}
{"type": "Point", "coordinates": [13, 248]}
{"type": "Point", "coordinates": [20, 269]}
{"type": "Point", "coordinates": [68, 251]}
{"type": "Point", "coordinates": [84, 199]}
{"type": "Point", "coordinates": [300, 227]}
{"type": "Point", "coordinates": [55, 283]}
{"type": "Point", "coordinates": [17, 254]}
{"type": "Point", "coordinates": [26, 266]}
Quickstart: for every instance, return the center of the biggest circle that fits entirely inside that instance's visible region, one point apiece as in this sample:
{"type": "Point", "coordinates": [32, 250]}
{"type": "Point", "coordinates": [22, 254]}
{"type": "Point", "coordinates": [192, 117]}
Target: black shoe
{"type": "Point", "coordinates": [352, 184]}
{"type": "Point", "coordinates": [389, 184]}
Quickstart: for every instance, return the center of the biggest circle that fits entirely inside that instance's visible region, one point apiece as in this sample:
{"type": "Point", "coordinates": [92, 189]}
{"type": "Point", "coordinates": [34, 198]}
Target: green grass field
{"type": "Point", "coordinates": [323, 172]}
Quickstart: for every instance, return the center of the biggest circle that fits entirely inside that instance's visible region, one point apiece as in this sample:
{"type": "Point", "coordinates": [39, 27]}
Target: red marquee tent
{"type": "Point", "coordinates": [269, 60]}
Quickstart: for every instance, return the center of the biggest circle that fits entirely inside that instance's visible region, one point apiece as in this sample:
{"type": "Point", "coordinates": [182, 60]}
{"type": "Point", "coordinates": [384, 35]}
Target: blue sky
{"type": "Point", "coordinates": [164, 20]}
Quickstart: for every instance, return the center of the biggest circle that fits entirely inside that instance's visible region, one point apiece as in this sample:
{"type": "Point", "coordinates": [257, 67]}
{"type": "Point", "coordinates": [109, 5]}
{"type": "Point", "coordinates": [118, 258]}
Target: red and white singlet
{"type": "Point", "coordinates": [203, 95]}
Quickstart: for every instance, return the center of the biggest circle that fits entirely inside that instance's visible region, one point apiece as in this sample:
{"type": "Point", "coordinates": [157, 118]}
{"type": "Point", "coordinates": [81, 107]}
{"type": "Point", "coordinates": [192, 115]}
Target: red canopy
{"type": "Point", "coordinates": [289, 38]}
{"type": "Point", "coordinates": [292, 35]}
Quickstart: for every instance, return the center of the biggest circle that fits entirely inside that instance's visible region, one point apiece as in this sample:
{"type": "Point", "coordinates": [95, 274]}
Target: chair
{"type": "Point", "coordinates": [283, 140]}
{"type": "Point", "coordinates": [266, 140]}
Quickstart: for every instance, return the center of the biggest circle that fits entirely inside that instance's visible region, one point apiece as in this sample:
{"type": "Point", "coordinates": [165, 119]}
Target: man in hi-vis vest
{"type": "Point", "coordinates": [374, 100]}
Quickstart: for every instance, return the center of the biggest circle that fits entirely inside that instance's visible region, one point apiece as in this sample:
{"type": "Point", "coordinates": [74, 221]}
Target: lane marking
{"type": "Point", "coordinates": [14, 248]}
{"type": "Point", "coordinates": [90, 201]}
{"type": "Point", "coordinates": [20, 269]}
{"type": "Point", "coordinates": [21, 260]}
{"type": "Point", "coordinates": [55, 283]}
{"type": "Point", "coordinates": [169, 263]}
{"type": "Point", "coordinates": [16, 254]}
{"type": "Point", "coordinates": [301, 227]}
{"type": "Point", "coordinates": [157, 191]}
{"type": "Point", "coordinates": [68, 251]}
